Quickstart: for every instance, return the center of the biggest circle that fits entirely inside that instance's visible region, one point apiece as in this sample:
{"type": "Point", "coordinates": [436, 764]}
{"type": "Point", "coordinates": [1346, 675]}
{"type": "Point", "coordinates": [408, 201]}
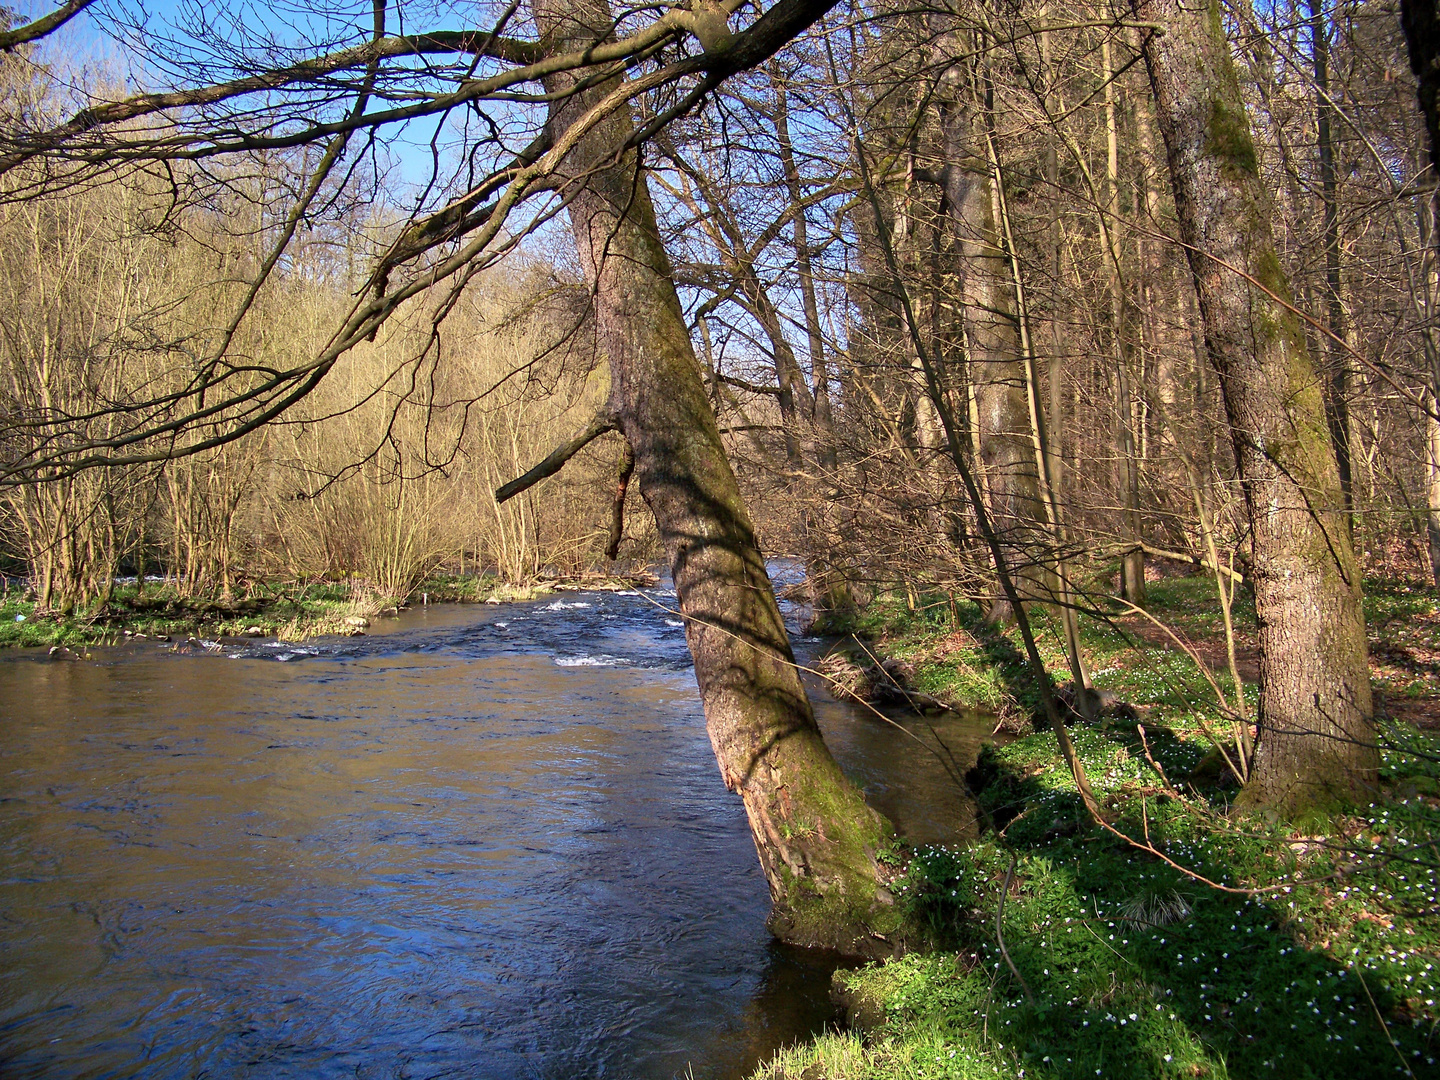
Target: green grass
{"type": "Point", "coordinates": [957, 658]}
{"type": "Point", "coordinates": [1190, 604]}
{"type": "Point", "coordinates": [1127, 966]}
{"type": "Point", "coordinates": [1131, 969]}
{"type": "Point", "coordinates": [1403, 623]}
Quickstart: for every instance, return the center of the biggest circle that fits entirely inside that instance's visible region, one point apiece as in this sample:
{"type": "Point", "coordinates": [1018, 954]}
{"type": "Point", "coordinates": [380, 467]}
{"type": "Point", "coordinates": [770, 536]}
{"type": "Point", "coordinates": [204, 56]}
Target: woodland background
{"type": "Point", "coordinates": [109, 291]}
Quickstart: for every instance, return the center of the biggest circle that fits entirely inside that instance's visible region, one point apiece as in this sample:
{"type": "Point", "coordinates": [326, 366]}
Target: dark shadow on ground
{"type": "Point", "coordinates": [1126, 959]}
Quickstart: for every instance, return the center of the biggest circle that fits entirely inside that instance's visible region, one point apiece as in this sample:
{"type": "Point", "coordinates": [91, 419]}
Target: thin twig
{"type": "Point", "coordinates": [999, 934]}
{"type": "Point", "coordinates": [1383, 1026]}
{"type": "Point", "coordinates": [1170, 788]}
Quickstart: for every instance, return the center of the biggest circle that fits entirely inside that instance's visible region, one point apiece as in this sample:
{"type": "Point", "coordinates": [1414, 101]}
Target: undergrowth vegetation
{"type": "Point", "coordinates": [1190, 942]}
{"type": "Point", "coordinates": [159, 609]}
{"type": "Point", "coordinates": [288, 610]}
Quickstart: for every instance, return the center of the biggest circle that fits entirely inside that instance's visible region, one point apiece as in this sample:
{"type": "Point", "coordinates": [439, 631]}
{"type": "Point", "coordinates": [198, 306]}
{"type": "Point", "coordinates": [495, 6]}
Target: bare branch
{"type": "Point", "coordinates": [48, 24]}
{"type": "Point", "coordinates": [617, 509]}
{"type": "Point", "coordinates": [602, 423]}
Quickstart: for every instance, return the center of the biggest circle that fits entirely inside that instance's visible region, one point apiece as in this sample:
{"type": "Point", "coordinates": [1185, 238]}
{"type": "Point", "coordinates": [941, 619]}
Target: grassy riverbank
{"type": "Point", "coordinates": [1120, 965]}
{"type": "Point", "coordinates": [291, 611]}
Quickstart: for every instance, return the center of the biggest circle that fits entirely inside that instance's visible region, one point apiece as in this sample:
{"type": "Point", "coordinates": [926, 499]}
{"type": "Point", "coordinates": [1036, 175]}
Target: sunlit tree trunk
{"type": "Point", "coordinates": [1125, 327]}
{"type": "Point", "coordinates": [1421, 20]}
{"type": "Point", "coordinates": [816, 838]}
{"type": "Point", "coordinates": [1316, 739]}
{"type": "Point", "coordinates": [996, 360]}
{"type": "Point", "coordinates": [1338, 381]}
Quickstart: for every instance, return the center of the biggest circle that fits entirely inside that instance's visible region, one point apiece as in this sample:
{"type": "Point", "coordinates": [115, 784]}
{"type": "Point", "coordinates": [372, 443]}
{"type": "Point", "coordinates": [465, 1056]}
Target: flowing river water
{"type": "Point", "coordinates": [482, 841]}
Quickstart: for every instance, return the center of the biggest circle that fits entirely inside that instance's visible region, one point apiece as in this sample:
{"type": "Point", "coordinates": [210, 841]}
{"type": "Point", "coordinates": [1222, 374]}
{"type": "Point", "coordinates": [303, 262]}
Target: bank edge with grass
{"type": "Point", "coordinates": [1314, 952]}
{"type": "Point", "coordinates": [288, 611]}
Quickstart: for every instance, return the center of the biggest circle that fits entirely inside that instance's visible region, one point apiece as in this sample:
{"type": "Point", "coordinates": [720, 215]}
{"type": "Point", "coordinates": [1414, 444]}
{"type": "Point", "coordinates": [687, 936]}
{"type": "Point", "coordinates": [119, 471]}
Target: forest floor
{"type": "Point", "coordinates": [1232, 947]}
{"type": "Point", "coordinates": [290, 611]}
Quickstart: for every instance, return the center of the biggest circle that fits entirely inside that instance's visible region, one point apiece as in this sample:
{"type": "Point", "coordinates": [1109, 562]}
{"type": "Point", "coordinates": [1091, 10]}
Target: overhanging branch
{"type": "Point", "coordinates": [602, 423]}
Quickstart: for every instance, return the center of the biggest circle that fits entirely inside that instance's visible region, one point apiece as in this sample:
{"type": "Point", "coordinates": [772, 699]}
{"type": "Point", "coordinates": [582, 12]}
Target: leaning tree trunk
{"type": "Point", "coordinates": [816, 838]}
{"type": "Point", "coordinates": [1316, 736]}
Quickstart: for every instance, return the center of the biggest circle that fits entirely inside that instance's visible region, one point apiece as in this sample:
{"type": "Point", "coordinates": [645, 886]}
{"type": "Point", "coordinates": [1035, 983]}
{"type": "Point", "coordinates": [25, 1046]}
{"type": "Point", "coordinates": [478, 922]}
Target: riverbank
{"type": "Point", "coordinates": [289, 611]}
{"type": "Point", "coordinates": [1065, 951]}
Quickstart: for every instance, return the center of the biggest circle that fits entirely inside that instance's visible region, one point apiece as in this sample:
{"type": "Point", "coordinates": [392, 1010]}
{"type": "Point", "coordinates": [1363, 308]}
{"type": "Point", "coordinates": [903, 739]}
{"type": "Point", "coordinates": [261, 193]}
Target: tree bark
{"type": "Point", "coordinates": [825, 452]}
{"type": "Point", "coordinates": [815, 837]}
{"type": "Point", "coordinates": [992, 331]}
{"type": "Point", "coordinates": [1125, 326]}
{"type": "Point", "coordinates": [1421, 21]}
{"type": "Point", "coordinates": [1316, 742]}
{"type": "Point", "coordinates": [1338, 383]}
{"type": "Point", "coordinates": [1432, 510]}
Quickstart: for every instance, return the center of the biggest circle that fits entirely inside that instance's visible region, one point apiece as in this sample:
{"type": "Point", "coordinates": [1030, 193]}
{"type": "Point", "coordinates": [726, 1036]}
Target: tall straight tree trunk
{"type": "Point", "coordinates": [1338, 381]}
{"type": "Point", "coordinates": [1426, 216]}
{"type": "Point", "coordinates": [825, 454]}
{"type": "Point", "coordinates": [1421, 21]}
{"type": "Point", "coordinates": [1125, 325]}
{"type": "Point", "coordinates": [816, 838]}
{"type": "Point", "coordinates": [1316, 740]}
{"type": "Point", "coordinates": [997, 362]}
{"type": "Point", "coordinates": [1432, 487]}
{"type": "Point", "coordinates": [1055, 251]}
{"type": "Point", "coordinates": [1059, 583]}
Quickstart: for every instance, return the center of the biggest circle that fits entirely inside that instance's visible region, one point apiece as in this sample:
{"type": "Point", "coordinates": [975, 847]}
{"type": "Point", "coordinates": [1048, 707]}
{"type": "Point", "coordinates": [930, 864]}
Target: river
{"type": "Point", "coordinates": [481, 841]}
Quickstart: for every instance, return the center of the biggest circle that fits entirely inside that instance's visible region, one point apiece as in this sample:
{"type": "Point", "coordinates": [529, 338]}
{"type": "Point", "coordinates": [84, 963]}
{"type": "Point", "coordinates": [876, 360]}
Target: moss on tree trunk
{"type": "Point", "coordinates": [815, 836]}
{"type": "Point", "coordinates": [1316, 741]}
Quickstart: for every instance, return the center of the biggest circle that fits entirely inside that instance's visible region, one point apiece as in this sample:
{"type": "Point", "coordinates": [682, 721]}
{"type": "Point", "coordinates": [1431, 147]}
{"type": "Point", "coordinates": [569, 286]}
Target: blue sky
{"type": "Point", "coordinates": [182, 33]}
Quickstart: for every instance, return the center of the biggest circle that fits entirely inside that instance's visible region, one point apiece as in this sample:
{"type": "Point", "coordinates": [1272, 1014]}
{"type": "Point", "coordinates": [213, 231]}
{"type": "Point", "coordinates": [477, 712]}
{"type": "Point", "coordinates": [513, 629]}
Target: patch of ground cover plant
{"type": "Point", "coordinates": [954, 656]}
{"type": "Point", "coordinates": [1403, 623]}
{"type": "Point", "coordinates": [1127, 967]}
{"type": "Point", "coordinates": [1131, 969]}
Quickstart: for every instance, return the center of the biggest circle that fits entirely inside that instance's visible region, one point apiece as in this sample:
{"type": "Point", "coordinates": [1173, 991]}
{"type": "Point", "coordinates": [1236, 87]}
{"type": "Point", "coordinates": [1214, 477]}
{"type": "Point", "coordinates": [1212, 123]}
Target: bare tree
{"type": "Point", "coordinates": [587, 75]}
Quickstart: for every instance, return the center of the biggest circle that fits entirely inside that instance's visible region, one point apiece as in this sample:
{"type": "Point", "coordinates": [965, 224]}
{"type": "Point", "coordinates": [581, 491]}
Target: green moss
{"type": "Point", "coordinates": [839, 907]}
{"type": "Point", "coordinates": [1227, 137]}
{"type": "Point", "coordinates": [853, 922]}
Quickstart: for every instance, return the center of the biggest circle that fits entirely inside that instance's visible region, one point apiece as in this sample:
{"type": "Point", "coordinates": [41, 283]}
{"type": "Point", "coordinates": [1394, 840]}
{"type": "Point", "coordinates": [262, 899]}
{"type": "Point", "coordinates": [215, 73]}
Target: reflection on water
{"type": "Point", "coordinates": [484, 842]}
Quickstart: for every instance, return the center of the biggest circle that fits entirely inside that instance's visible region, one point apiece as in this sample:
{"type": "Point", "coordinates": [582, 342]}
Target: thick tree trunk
{"type": "Point", "coordinates": [816, 838]}
{"type": "Point", "coordinates": [1316, 736]}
